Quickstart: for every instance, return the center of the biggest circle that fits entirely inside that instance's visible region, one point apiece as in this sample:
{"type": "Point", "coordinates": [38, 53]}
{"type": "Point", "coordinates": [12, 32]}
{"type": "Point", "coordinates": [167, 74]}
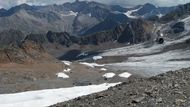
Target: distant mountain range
{"type": "Point", "coordinates": [77, 18]}
{"type": "Point", "coordinates": [30, 31]}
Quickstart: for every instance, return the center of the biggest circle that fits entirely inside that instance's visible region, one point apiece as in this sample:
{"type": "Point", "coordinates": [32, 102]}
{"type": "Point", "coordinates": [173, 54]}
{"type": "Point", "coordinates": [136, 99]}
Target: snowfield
{"type": "Point", "coordinates": [125, 75]}
{"type": "Point", "coordinates": [109, 75]}
{"type": "Point", "coordinates": [62, 75]}
{"type": "Point", "coordinates": [150, 61]}
{"type": "Point", "coordinates": [44, 98]}
{"type": "Point", "coordinates": [152, 65]}
{"type": "Point", "coordinates": [92, 64]}
{"type": "Point", "coordinates": [97, 58]}
{"type": "Point", "coordinates": [103, 69]}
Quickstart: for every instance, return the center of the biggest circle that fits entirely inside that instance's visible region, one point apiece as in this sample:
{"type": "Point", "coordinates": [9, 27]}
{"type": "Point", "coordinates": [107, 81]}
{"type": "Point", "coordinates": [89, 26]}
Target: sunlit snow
{"type": "Point", "coordinates": [129, 13]}
{"type": "Point", "coordinates": [92, 64]}
{"type": "Point", "coordinates": [125, 75]}
{"type": "Point", "coordinates": [109, 75]}
{"type": "Point", "coordinates": [62, 75]}
{"type": "Point", "coordinates": [44, 98]}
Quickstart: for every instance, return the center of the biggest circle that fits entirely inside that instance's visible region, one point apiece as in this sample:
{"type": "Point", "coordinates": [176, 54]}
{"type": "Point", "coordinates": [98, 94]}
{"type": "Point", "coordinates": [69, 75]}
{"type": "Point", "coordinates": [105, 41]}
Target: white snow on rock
{"type": "Point", "coordinates": [92, 64]}
{"type": "Point", "coordinates": [70, 13]}
{"type": "Point", "coordinates": [48, 97]}
{"type": "Point", "coordinates": [67, 63]}
{"type": "Point", "coordinates": [82, 54]}
{"type": "Point", "coordinates": [67, 70]}
{"type": "Point", "coordinates": [97, 58]}
{"type": "Point", "coordinates": [125, 75]}
{"type": "Point", "coordinates": [160, 15]}
{"type": "Point", "coordinates": [129, 13]}
{"type": "Point", "coordinates": [103, 69]}
{"type": "Point", "coordinates": [108, 75]}
{"type": "Point", "coordinates": [62, 75]}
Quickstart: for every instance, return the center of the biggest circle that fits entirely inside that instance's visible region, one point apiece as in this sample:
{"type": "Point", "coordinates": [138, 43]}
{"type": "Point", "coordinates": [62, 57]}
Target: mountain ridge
{"type": "Point", "coordinates": [77, 18]}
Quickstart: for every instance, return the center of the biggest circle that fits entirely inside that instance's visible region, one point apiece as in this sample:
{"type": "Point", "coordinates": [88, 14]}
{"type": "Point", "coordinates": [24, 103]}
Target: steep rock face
{"type": "Point", "coordinates": [60, 38]}
{"type": "Point", "coordinates": [35, 51]}
{"type": "Point", "coordinates": [38, 38]}
{"type": "Point", "coordinates": [11, 38]}
{"type": "Point", "coordinates": [178, 27]}
{"type": "Point", "coordinates": [28, 52]}
{"type": "Point", "coordinates": [14, 48]}
{"type": "Point", "coordinates": [13, 55]}
{"type": "Point", "coordinates": [136, 31]}
{"type": "Point", "coordinates": [111, 22]}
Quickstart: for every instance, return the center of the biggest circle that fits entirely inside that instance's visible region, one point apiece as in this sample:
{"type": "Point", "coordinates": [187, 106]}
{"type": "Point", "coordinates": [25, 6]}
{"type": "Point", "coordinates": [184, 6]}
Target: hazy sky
{"type": "Point", "coordinates": [10, 3]}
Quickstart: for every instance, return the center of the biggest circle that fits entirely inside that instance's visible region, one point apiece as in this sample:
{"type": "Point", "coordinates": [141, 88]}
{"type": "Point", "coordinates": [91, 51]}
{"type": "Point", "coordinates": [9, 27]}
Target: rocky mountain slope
{"type": "Point", "coordinates": [28, 52]}
{"type": "Point", "coordinates": [137, 31]}
{"type": "Point", "coordinates": [57, 44]}
{"type": "Point", "coordinates": [14, 49]}
{"type": "Point", "coordinates": [148, 10]}
{"type": "Point", "coordinates": [149, 60]}
{"type": "Point", "coordinates": [140, 92]}
{"type": "Point", "coordinates": [77, 18]}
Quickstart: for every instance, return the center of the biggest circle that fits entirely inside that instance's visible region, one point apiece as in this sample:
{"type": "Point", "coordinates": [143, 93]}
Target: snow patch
{"type": "Point", "coordinates": [129, 13]}
{"type": "Point", "coordinates": [97, 58]}
{"type": "Point", "coordinates": [48, 97]}
{"type": "Point", "coordinates": [109, 75]}
{"type": "Point", "coordinates": [73, 13]}
{"type": "Point", "coordinates": [160, 15]}
{"type": "Point", "coordinates": [92, 64]}
{"type": "Point", "coordinates": [62, 75]}
{"type": "Point", "coordinates": [125, 75]}
{"type": "Point", "coordinates": [70, 13]}
{"type": "Point", "coordinates": [103, 69]}
{"type": "Point", "coordinates": [67, 63]}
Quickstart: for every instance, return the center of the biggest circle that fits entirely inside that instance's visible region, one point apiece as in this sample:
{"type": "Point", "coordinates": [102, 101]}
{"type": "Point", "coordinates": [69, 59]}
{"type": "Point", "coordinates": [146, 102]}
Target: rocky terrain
{"type": "Point", "coordinates": [56, 53]}
{"type": "Point", "coordinates": [169, 89]}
